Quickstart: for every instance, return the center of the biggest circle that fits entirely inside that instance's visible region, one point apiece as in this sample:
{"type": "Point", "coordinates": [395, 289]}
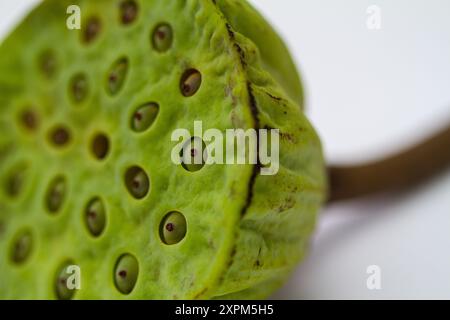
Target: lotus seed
{"type": "Point", "coordinates": [173, 228]}
{"type": "Point", "coordinates": [190, 82]}
{"type": "Point", "coordinates": [21, 248]}
{"type": "Point", "coordinates": [56, 194]}
{"type": "Point", "coordinates": [61, 286]}
{"type": "Point", "coordinates": [29, 120]}
{"type": "Point", "coordinates": [117, 75]}
{"type": "Point", "coordinates": [195, 155]}
{"type": "Point", "coordinates": [95, 217]}
{"type": "Point", "coordinates": [126, 273]}
{"type": "Point", "coordinates": [137, 182]}
{"type": "Point", "coordinates": [79, 88]}
{"type": "Point", "coordinates": [15, 183]}
{"type": "Point", "coordinates": [144, 117]}
{"type": "Point", "coordinates": [129, 11]}
{"type": "Point", "coordinates": [48, 64]}
{"type": "Point", "coordinates": [60, 136]}
{"type": "Point", "coordinates": [100, 146]}
{"type": "Point", "coordinates": [162, 37]}
{"type": "Point", "coordinates": [92, 29]}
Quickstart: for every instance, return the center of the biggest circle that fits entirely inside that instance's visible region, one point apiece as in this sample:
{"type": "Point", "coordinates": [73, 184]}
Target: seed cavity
{"type": "Point", "coordinates": [190, 82]}
{"type": "Point", "coordinates": [48, 64]}
{"type": "Point", "coordinates": [56, 193]}
{"type": "Point", "coordinates": [100, 146]}
{"type": "Point", "coordinates": [79, 88]}
{"type": "Point", "coordinates": [59, 136]}
{"type": "Point", "coordinates": [92, 29]}
{"type": "Point", "coordinates": [173, 228]}
{"type": "Point", "coordinates": [128, 11]}
{"type": "Point", "coordinates": [21, 247]}
{"type": "Point", "coordinates": [116, 75]}
{"type": "Point", "coordinates": [126, 273]}
{"type": "Point", "coordinates": [162, 37]}
{"type": "Point", "coordinates": [62, 290]}
{"type": "Point", "coordinates": [193, 154]}
{"type": "Point", "coordinates": [137, 182]}
{"type": "Point", "coordinates": [95, 216]}
{"type": "Point", "coordinates": [29, 120]}
{"type": "Point", "coordinates": [144, 117]}
{"type": "Point", "coordinates": [15, 181]}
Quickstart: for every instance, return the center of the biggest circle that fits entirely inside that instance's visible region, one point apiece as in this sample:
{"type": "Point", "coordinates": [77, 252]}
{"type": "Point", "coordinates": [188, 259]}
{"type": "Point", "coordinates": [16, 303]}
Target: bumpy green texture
{"type": "Point", "coordinates": [73, 129]}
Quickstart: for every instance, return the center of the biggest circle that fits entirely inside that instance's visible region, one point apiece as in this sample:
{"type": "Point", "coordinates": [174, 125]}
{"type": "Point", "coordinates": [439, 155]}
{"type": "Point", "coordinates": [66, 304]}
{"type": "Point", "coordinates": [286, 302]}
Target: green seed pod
{"type": "Point", "coordinates": [95, 216]}
{"type": "Point", "coordinates": [162, 37]}
{"type": "Point", "coordinates": [144, 117]}
{"type": "Point", "coordinates": [173, 228]}
{"type": "Point", "coordinates": [126, 273]}
{"type": "Point", "coordinates": [105, 102]}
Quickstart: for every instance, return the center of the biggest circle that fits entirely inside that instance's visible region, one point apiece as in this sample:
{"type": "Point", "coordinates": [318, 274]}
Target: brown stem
{"type": "Point", "coordinates": [403, 170]}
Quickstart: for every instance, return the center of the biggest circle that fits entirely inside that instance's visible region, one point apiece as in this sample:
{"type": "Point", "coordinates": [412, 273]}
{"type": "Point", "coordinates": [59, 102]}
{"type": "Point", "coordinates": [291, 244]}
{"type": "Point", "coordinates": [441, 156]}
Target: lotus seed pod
{"type": "Point", "coordinates": [90, 114]}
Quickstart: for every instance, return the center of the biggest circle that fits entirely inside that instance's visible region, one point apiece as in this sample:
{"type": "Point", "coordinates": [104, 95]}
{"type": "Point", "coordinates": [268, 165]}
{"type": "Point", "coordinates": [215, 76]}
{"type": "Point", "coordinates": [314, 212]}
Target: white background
{"type": "Point", "coordinates": [368, 93]}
